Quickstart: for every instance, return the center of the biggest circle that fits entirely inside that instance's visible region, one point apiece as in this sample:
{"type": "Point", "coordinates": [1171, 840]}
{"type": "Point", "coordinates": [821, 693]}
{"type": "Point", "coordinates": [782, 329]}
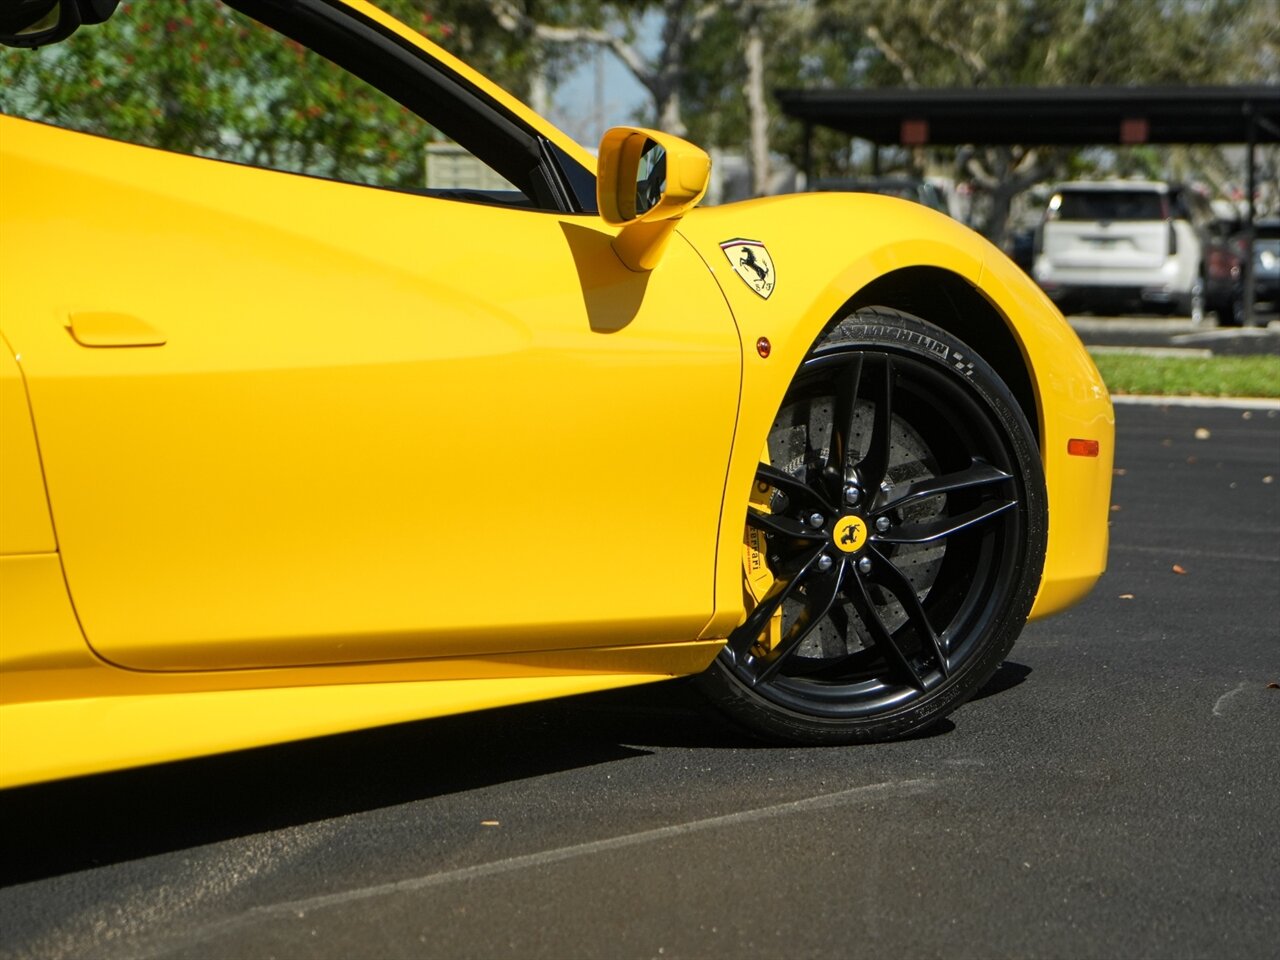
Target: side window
{"type": "Point", "coordinates": [195, 77]}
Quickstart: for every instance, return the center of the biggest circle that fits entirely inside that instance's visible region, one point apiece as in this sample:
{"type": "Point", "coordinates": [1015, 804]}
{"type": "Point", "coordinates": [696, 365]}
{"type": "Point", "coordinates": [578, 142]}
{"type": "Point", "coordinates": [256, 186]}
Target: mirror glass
{"type": "Point", "coordinates": [33, 23]}
{"type": "Point", "coordinates": [651, 177]}
{"type": "Point", "coordinates": [26, 17]}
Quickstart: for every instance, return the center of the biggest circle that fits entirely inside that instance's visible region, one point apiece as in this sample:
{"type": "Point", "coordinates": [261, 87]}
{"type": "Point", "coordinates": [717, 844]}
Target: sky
{"type": "Point", "coordinates": [601, 93]}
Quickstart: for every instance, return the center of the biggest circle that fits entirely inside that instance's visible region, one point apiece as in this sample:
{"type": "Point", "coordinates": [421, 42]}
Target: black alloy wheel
{"type": "Point", "coordinates": [901, 518]}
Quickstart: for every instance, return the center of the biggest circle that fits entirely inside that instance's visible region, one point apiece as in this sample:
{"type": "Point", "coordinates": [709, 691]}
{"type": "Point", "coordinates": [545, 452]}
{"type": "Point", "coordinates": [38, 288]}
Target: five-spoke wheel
{"type": "Point", "coordinates": [896, 534]}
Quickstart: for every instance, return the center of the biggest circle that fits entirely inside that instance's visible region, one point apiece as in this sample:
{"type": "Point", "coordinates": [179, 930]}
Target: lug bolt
{"type": "Point", "coordinates": [864, 565]}
{"type": "Point", "coordinates": [851, 494]}
{"type": "Point", "coordinates": [824, 563]}
{"type": "Point", "coordinates": [882, 524]}
{"type": "Point", "coordinates": [815, 520]}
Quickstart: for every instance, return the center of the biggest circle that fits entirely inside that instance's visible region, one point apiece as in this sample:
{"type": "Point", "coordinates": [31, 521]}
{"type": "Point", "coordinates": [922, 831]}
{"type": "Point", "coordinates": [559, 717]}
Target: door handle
{"type": "Point", "coordinates": [95, 329]}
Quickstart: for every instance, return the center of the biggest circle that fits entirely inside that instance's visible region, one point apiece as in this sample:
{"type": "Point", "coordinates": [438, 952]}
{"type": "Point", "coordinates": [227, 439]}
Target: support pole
{"type": "Point", "coordinates": [1250, 213]}
{"type": "Point", "coordinates": [806, 155]}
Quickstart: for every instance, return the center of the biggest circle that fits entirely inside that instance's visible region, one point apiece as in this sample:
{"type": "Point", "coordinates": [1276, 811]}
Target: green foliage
{"type": "Point", "coordinates": [1200, 377]}
{"type": "Point", "coordinates": [194, 77]}
{"type": "Point", "coordinates": [512, 59]}
{"type": "Point", "coordinates": [190, 75]}
{"type": "Point", "coordinates": [941, 43]}
{"type": "Point", "coordinates": [961, 43]}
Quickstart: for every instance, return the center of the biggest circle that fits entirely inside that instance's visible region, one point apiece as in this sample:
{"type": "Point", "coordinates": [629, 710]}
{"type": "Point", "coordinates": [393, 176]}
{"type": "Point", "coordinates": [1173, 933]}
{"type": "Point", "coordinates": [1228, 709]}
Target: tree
{"type": "Point", "coordinates": [684, 24]}
{"type": "Point", "coordinates": [194, 77]}
{"type": "Point", "coordinates": [523, 45]}
{"type": "Point", "coordinates": [957, 43]}
{"type": "Point", "coordinates": [748, 48]}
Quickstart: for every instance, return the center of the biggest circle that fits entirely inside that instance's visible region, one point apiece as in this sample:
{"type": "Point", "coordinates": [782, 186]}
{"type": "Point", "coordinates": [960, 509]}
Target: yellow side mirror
{"type": "Point", "coordinates": [646, 181]}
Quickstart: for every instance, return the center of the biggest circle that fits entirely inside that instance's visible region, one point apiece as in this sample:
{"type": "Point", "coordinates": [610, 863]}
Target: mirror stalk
{"type": "Point", "coordinates": [640, 244]}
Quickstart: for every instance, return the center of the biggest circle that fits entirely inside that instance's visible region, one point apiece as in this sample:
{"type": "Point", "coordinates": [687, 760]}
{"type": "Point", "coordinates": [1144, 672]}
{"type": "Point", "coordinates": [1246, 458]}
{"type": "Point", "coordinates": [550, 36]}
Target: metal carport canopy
{"type": "Point", "coordinates": [1052, 116]}
{"type": "Point", "coordinates": [1074, 116]}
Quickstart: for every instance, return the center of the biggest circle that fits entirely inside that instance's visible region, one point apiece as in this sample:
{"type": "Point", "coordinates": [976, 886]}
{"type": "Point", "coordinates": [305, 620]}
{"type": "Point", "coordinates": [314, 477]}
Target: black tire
{"type": "Point", "coordinates": [1192, 303]}
{"type": "Point", "coordinates": [875, 640]}
{"type": "Point", "coordinates": [1230, 311]}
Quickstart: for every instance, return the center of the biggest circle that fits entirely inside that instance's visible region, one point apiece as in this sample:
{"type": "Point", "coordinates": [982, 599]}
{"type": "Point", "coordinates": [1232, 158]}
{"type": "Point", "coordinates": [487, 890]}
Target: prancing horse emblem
{"type": "Point", "coordinates": [849, 534]}
{"type": "Point", "coordinates": [751, 261]}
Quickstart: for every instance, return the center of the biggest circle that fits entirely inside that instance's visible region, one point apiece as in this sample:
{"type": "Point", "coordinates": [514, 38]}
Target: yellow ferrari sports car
{"type": "Point", "coordinates": [291, 446]}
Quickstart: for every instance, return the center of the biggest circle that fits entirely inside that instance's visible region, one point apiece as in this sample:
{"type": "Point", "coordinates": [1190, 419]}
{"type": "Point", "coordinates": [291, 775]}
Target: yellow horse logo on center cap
{"type": "Point", "coordinates": [850, 534]}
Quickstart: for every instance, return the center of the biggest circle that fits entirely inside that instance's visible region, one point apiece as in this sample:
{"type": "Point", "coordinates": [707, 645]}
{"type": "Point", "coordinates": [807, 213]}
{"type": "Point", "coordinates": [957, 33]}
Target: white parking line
{"type": "Point", "coordinates": [300, 908]}
{"type": "Point", "coordinates": [1230, 403]}
{"type": "Point", "coordinates": [1220, 705]}
{"type": "Point", "coordinates": [296, 909]}
{"type": "Point", "coordinates": [1179, 353]}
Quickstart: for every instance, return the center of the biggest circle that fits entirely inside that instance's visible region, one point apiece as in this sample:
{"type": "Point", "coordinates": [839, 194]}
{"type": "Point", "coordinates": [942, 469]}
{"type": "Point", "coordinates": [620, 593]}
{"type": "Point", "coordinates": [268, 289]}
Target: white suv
{"type": "Point", "coordinates": [1120, 244]}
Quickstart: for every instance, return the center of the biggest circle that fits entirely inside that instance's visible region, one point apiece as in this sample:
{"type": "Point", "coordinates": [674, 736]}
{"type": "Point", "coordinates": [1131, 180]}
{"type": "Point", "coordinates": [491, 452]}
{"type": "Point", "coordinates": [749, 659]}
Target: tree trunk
{"type": "Point", "coordinates": [670, 119]}
{"type": "Point", "coordinates": [757, 108]}
{"type": "Point", "coordinates": [997, 220]}
{"type": "Point", "coordinates": [539, 89]}
{"type": "Point", "coordinates": [1003, 173]}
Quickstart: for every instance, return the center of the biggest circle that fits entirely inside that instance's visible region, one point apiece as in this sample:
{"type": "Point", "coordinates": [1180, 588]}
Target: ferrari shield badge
{"type": "Point", "coordinates": [751, 261]}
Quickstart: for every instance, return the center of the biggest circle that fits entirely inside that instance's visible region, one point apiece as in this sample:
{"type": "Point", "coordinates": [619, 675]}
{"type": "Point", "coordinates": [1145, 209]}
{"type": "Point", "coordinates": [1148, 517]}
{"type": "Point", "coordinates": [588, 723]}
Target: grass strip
{"type": "Point", "coordinates": [1253, 376]}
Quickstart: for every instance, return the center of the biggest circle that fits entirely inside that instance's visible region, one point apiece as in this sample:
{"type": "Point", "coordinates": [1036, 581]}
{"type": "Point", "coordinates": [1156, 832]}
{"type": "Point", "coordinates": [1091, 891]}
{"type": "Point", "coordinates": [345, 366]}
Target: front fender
{"type": "Point", "coordinates": [826, 248]}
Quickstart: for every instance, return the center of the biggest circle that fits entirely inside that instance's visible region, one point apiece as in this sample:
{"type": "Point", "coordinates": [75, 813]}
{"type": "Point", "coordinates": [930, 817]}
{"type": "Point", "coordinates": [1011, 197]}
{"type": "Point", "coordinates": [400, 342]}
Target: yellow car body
{"type": "Point", "coordinates": [284, 456]}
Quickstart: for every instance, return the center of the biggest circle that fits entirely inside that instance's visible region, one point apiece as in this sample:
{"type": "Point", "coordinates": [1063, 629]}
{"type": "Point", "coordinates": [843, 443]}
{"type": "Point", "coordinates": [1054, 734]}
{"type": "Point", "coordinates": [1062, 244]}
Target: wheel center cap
{"type": "Point", "coordinates": [849, 534]}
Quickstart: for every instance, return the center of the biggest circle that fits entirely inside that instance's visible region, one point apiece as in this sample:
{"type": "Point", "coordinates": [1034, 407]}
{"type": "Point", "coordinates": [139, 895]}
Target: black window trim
{"type": "Point", "coordinates": [406, 74]}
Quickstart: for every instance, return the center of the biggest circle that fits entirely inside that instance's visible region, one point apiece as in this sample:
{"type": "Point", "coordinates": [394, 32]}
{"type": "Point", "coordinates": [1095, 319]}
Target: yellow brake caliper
{"type": "Point", "coordinates": [757, 577]}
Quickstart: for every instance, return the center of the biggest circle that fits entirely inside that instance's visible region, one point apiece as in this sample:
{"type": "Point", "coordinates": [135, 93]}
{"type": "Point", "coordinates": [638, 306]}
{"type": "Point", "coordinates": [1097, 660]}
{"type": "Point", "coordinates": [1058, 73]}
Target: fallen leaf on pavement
{"type": "Point", "coordinates": [1126, 596]}
{"type": "Point", "coordinates": [1268, 479]}
{"type": "Point", "coordinates": [1191, 459]}
{"type": "Point", "coordinates": [489, 823]}
{"type": "Point", "coordinates": [1115, 507]}
{"type": "Point", "coordinates": [1119, 472]}
{"type": "Point", "coordinates": [1179, 568]}
{"type": "Point", "coordinates": [1273, 685]}
{"type": "Point", "coordinates": [1202, 433]}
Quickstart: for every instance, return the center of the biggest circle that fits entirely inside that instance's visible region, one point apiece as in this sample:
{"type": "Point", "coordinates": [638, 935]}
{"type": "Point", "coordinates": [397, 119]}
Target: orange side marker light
{"type": "Point", "coordinates": [1082, 448]}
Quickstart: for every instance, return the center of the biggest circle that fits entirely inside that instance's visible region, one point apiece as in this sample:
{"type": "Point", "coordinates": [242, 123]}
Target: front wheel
{"type": "Point", "coordinates": [1192, 303]}
{"type": "Point", "coordinates": [893, 543]}
{"type": "Point", "coordinates": [1230, 310]}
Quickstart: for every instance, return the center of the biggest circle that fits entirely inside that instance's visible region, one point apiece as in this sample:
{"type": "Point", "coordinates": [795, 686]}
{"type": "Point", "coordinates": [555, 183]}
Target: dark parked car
{"type": "Point", "coordinates": [1266, 261]}
{"type": "Point", "coordinates": [1223, 272]}
{"type": "Point", "coordinates": [906, 188]}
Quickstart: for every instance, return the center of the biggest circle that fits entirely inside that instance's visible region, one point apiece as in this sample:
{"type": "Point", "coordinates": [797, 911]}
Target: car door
{"type": "Point", "coordinates": [293, 420]}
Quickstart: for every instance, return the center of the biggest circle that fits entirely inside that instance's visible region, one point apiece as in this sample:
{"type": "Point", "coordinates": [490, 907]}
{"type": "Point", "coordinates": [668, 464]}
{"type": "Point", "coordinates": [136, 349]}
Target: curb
{"type": "Point", "coordinates": [1180, 353]}
{"type": "Point", "coordinates": [1226, 403]}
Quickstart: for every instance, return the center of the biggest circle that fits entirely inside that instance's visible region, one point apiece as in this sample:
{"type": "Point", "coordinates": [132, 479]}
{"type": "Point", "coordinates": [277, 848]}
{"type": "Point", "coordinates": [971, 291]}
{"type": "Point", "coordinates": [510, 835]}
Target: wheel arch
{"type": "Point", "coordinates": [1017, 331]}
{"type": "Point", "coordinates": [834, 253]}
{"type": "Point", "coordinates": [952, 303]}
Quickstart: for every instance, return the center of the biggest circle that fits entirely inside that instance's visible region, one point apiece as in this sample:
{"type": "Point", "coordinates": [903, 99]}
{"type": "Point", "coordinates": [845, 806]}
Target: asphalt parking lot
{"type": "Point", "coordinates": [1179, 335]}
{"type": "Point", "coordinates": [1112, 792]}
